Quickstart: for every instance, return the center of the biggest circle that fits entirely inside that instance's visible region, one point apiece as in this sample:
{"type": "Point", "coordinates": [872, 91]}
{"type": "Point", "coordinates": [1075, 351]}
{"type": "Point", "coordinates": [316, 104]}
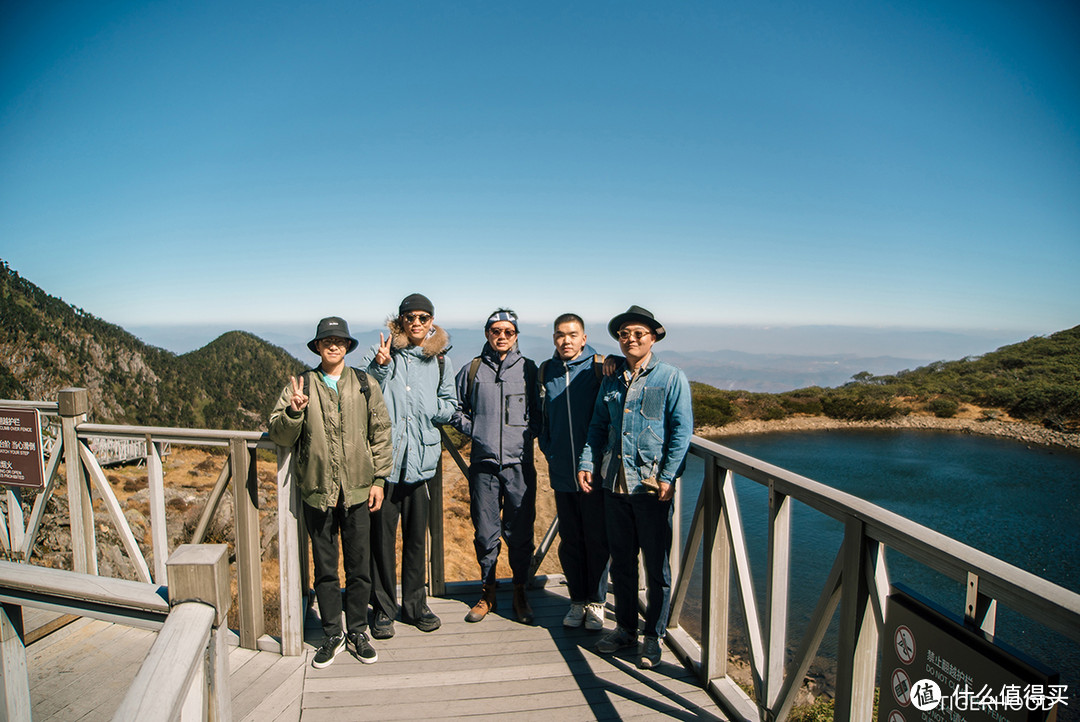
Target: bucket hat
{"type": "Point", "coordinates": [332, 326]}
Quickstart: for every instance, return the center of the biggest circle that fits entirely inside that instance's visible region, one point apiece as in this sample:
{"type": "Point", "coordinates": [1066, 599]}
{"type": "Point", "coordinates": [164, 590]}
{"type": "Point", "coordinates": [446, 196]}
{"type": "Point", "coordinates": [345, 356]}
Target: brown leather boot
{"type": "Point", "coordinates": [522, 609]}
{"type": "Point", "coordinates": [486, 604]}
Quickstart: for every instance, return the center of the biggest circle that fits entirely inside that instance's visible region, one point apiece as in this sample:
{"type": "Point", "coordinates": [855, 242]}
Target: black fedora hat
{"type": "Point", "coordinates": [332, 326]}
{"type": "Point", "coordinates": [638, 315]}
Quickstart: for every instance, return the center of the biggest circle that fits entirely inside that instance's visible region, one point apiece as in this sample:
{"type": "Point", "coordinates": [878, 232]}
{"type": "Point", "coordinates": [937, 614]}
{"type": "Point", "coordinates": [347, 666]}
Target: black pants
{"type": "Point", "coordinates": [410, 504]}
{"type": "Point", "coordinates": [353, 525]}
{"type": "Point", "coordinates": [583, 546]}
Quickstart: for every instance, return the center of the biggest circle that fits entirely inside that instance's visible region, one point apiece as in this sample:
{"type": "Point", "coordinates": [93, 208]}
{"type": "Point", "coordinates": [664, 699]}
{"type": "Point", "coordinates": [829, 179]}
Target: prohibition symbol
{"type": "Point", "coordinates": [904, 641]}
{"type": "Point", "coordinates": [901, 687]}
{"type": "Point", "coordinates": [895, 716]}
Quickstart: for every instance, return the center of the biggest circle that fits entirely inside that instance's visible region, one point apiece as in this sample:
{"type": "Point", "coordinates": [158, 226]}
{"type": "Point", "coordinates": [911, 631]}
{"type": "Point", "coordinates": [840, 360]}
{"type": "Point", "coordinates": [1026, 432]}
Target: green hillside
{"type": "Point", "coordinates": [47, 344]}
{"type": "Point", "coordinates": [1037, 380]}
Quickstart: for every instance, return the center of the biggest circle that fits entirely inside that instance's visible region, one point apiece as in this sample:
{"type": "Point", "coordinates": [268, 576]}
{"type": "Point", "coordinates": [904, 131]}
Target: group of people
{"type": "Point", "coordinates": [367, 441]}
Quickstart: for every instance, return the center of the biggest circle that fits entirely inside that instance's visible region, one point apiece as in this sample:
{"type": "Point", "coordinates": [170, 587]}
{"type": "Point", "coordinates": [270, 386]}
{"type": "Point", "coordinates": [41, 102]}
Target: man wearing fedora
{"type": "Point", "coordinates": [641, 428]}
{"type": "Point", "coordinates": [335, 420]}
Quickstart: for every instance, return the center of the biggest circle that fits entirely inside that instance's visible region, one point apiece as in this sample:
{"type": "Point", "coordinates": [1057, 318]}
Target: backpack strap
{"type": "Point", "coordinates": [365, 385]}
{"type": "Point", "coordinates": [474, 367]}
{"type": "Point", "coordinates": [441, 358]}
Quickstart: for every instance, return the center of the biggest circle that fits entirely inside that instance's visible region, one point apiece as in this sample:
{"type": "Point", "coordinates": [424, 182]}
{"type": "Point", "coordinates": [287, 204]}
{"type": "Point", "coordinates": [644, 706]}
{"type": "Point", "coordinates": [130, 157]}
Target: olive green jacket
{"type": "Point", "coordinates": [339, 446]}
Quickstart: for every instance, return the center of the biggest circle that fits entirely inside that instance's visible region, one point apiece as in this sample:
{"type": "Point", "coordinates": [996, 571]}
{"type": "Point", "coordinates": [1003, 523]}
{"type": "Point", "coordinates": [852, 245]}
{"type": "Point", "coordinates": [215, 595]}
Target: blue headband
{"type": "Point", "coordinates": [502, 316]}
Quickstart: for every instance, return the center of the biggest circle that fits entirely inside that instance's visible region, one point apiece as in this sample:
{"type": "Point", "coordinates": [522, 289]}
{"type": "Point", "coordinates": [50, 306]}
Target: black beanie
{"type": "Point", "coordinates": [416, 302]}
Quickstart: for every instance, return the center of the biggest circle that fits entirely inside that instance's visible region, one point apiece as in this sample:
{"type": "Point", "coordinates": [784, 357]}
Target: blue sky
{"type": "Point", "coordinates": [910, 164]}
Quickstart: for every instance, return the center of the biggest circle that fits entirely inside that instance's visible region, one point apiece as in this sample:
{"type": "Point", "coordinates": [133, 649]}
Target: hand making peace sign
{"type": "Point", "coordinates": [382, 356]}
{"type": "Point", "coordinates": [299, 400]}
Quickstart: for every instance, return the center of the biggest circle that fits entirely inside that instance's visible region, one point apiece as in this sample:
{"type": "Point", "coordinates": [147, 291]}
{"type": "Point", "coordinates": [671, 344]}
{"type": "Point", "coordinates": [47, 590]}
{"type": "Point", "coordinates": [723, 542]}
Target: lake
{"type": "Point", "coordinates": [1015, 502]}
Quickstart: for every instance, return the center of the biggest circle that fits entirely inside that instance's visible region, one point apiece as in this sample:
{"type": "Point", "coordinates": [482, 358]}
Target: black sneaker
{"type": "Point", "coordinates": [325, 654]}
{"type": "Point", "coordinates": [426, 622]}
{"type": "Point", "coordinates": [382, 627]}
{"type": "Point", "coordinates": [363, 649]}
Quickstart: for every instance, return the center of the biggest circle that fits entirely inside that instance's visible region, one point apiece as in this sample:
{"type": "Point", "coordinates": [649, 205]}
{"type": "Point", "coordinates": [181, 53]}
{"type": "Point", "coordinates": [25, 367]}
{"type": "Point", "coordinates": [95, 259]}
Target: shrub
{"type": "Point", "coordinates": [943, 408]}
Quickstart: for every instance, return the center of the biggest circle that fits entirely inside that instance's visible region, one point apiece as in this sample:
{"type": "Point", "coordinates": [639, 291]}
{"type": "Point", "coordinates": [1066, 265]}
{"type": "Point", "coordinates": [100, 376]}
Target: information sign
{"type": "Point", "coordinates": [935, 669]}
{"type": "Point", "coordinates": [21, 462]}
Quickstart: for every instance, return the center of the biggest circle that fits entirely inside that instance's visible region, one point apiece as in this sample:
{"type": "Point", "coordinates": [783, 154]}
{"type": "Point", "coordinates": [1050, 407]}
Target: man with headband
{"type": "Point", "coordinates": [500, 413]}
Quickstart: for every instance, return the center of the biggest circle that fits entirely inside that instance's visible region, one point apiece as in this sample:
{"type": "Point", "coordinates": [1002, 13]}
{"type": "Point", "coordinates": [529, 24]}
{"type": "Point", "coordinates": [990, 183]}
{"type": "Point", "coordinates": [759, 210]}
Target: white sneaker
{"type": "Point", "coordinates": [575, 616]}
{"type": "Point", "coordinates": [594, 616]}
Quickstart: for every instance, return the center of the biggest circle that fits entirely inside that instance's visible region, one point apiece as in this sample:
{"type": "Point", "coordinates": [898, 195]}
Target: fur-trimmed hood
{"type": "Point", "coordinates": [437, 342]}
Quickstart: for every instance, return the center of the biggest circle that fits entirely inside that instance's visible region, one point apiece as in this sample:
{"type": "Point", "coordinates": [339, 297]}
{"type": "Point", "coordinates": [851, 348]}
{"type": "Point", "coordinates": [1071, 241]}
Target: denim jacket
{"type": "Point", "coordinates": [645, 426]}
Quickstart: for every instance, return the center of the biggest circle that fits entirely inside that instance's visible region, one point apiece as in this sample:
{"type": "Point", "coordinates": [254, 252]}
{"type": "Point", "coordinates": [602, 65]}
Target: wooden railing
{"type": "Point", "coordinates": [83, 473]}
{"type": "Point", "coordinates": [858, 584]}
{"type": "Point", "coordinates": [186, 673]}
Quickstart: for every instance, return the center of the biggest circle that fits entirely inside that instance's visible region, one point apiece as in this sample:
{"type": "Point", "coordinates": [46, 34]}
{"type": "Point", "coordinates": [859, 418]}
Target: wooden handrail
{"type": "Point", "coordinates": [857, 586]}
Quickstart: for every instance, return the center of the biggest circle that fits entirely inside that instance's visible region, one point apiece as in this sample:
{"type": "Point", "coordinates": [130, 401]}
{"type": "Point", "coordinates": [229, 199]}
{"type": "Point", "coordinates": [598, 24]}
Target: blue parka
{"type": "Point", "coordinates": [567, 395]}
{"type": "Point", "coordinates": [502, 414]}
{"type": "Point", "coordinates": [416, 398]}
{"type": "Point", "coordinates": [645, 426]}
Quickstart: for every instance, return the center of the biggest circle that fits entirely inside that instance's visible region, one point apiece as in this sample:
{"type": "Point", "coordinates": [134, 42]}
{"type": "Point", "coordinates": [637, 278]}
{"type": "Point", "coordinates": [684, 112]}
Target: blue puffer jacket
{"type": "Point", "coordinates": [416, 399]}
{"type": "Point", "coordinates": [567, 396]}
{"type": "Point", "coordinates": [646, 427]}
{"type": "Point", "coordinates": [502, 415]}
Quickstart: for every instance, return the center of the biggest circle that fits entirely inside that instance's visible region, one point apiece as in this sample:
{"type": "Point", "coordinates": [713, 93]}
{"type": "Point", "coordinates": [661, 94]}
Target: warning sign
{"type": "Point", "coordinates": [21, 462]}
{"type": "Point", "coordinates": [905, 644]}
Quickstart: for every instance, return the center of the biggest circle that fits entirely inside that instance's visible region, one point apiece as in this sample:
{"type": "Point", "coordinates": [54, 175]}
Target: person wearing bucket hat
{"type": "Point", "coordinates": [335, 420]}
{"type": "Point", "coordinates": [417, 381]}
{"type": "Point", "coordinates": [641, 428]}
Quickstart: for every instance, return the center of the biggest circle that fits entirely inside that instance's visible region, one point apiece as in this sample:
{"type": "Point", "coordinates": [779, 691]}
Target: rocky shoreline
{"type": "Point", "coordinates": [1004, 428]}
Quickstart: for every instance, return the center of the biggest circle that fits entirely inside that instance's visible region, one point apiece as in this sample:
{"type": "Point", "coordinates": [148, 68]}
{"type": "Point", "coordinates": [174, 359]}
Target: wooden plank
{"type": "Point", "coordinates": [245, 489]}
{"type": "Point", "coordinates": [289, 591]}
{"type": "Point", "coordinates": [174, 660]}
{"type": "Point", "coordinates": [120, 523]}
{"type": "Point", "coordinates": [159, 537]}
{"type": "Point", "coordinates": [116, 593]}
{"type": "Point", "coordinates": [14, 677]}
{"type": "Point", "coordinates": [269, 694]}
{"type": "Point", "coordinates": [58, 621]}
{"type": "Point", "coordinates": [80, 508]}
{"type": "Point", "coordinates": [777, 592]}
{"type": "Point", "coordinates": [42, 497]}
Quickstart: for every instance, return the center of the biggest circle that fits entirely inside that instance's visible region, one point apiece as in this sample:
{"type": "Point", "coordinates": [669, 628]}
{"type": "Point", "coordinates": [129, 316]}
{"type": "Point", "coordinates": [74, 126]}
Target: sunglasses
{"type": "Point", "coordinates": [636, 335]}
{"type": "Point", "coordinates": [414, 317]}
{"type": "Point", "coordinates": [497, 332]}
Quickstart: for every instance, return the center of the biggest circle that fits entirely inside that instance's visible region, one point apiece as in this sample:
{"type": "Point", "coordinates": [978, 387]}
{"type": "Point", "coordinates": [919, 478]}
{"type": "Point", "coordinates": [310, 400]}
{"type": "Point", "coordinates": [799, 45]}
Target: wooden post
{"type": "Point", "coordinates": [436, 560]}
{"type": "Point", "coordinates": [14, 677]}
{"type": "Point", "coordinates": [716, 572]}
{"type": "Point", "coordinates": [290, 591]}
{"type": "Point", "coordinates": [248, 551]}
{"type": "Point", "coordinates": [778, 592]}
{"type": "Point", "coordinates": [856, 659]}
{"type": "Point", "coordinates": [200, 573]}
{"type": "Point", "coordinates": [155, 478]}
{"type": "Point", "coordinates": [73, 406]}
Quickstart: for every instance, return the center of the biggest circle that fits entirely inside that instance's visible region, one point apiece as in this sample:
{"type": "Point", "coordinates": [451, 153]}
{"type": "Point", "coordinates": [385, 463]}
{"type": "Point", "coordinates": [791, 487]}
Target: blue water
{"type": "Point", "coordinates": [1015, 502]}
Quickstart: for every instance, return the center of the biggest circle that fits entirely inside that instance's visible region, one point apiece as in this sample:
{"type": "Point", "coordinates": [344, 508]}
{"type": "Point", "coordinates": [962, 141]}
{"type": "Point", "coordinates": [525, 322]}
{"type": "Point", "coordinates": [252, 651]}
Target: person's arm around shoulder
{"type": "Point", "coordinates": [446, 399]}
{"type": "Point", "coordinates": [462, 416]}
{"type": "Point", "coordinates": [379, 440]}
{"type": "Point", "coordinates": [597, 437]}
{"type": "Point", "coordinates": [679, 428]}
{"type": "Point", "coordinates": [290, 411]}
{"type": "Point", "coordinates": [532, 398]}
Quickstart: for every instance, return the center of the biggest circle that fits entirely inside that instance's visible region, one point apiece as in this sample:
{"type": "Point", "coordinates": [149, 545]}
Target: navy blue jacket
{"type": "Point", "coordinates": [567, 396]}
{"type": "Point", "coordinates": [502, 414]}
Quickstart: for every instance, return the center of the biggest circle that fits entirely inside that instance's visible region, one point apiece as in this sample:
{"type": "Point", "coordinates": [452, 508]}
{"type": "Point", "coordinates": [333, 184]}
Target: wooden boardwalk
{"type": "Point", "coordinates": [497, 668]}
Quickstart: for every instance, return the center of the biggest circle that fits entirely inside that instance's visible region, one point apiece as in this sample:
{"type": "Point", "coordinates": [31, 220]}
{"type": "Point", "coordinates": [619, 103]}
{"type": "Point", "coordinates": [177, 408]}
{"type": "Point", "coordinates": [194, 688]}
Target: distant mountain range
{"type": "Point", "coordinates": [47, 345]}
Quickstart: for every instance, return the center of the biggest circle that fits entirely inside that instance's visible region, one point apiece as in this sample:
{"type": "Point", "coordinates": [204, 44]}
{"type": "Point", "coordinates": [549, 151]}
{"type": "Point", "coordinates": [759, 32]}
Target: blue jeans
{"type": "Point", "coordinates": [583, 547]}
{"type": "Point", "coordinates": [509, 493]}
{"type": "Point", "coordinates": [640, 522]}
